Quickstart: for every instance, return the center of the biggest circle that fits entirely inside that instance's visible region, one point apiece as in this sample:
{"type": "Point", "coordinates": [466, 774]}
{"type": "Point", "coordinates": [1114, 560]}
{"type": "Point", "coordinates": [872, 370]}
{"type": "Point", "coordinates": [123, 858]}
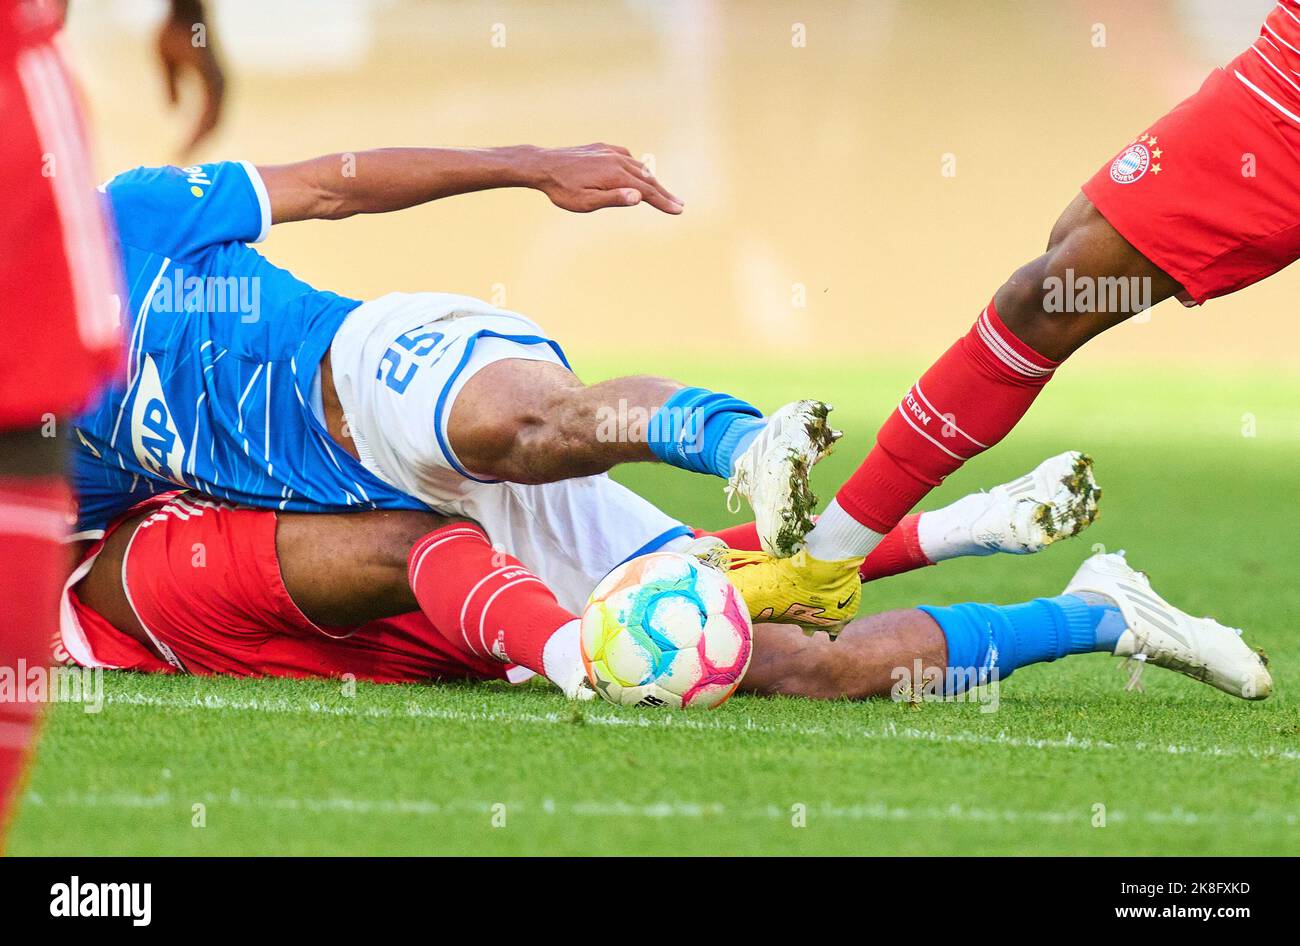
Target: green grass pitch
{"type": "Point", "coordinates": [1199, 482]}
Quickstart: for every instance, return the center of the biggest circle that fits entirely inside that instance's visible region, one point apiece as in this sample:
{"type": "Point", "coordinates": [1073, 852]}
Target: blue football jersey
{"type": "Point", "coordinates": [224, 347]}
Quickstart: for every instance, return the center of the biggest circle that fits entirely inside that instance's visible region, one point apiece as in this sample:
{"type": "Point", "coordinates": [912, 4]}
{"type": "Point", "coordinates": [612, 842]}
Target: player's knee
{"type": "Point", "coordinates": [519, 438]}
{"type": "Point", "coordinates": [1089, 279]}
{"type": "Point", "coordinates": [1025, 305]}
{"type": "Point", "coordinates": [536, 443]}
{"type": "Point", "coordinates": [389, 537]}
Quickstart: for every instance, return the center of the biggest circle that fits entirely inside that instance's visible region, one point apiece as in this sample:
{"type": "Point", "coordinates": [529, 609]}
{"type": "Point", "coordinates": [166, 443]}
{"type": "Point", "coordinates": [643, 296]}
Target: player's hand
{"type": "Point", "coordinates": [181, 49]}
{"type": "Point", "coordinates": [593, 176]}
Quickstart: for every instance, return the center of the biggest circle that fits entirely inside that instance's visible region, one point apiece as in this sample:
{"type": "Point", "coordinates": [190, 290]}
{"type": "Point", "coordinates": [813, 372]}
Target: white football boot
{"type": "Point", "coordinates": [1055, 500]}
{"type": "Point", "coordinates": [772, 474]}
{"type": "Point", "coordinates": [1160, 634]}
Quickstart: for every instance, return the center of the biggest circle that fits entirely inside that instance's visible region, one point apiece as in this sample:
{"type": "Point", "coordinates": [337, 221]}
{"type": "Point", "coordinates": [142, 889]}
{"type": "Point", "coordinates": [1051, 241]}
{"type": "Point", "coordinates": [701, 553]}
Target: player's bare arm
{"type": "Point", "coordinates": [526, 417]}
{"type": "Point", "coordinates": [579, 179]}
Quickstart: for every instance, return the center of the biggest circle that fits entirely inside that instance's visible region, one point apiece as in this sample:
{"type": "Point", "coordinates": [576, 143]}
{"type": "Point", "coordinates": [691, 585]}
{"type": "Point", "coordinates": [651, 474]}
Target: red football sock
{"type": "Point", "coordinates": [743, 536]}
{"type": "Point", "coordinates": [482, 599]}
{"type": "Point", "coordinates": [968, 401]}
{"type": "Point", "coordinates": [899, 551]}
{"type": "Point", "coordinates": [33, 565]}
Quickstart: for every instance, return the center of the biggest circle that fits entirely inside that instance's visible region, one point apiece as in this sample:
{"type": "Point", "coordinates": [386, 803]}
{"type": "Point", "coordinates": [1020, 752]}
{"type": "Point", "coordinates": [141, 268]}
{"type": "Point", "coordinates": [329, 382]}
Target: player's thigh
{"type": "Point", "coordinates": [1210, 192]}
{"type": "Point", "coordinates": [400, 365]}
{"type": "Point", "coordinates": [349, 568]}
{"type": "Point", "coordinates": [102, 589]}
{"type": "Point", "coordinates": [338, 570]}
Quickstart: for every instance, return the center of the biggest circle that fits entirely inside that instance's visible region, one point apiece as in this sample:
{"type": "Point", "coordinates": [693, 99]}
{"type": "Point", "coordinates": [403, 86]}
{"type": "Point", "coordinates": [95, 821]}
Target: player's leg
{"type": "Point", "coordinates": [1106, 608]}
{"type": "Point", "coordinates": [1176, 212]}
{"type": "Point", "coordinates": [533, 422]}
{"type": "Point", "coordinates": [58, 339]}
{"type": "Point", "coordinates": [440, 392]}
{"type": "Point", "coordinates": [33, 563]}
{"type": "Point", "coordinates": [1055, 500]}
{"type": "Point", "coordinates": [218, 589]}
{"type": "Point", "coordinates": [860, 665]}
{"type": "Point", "coordinates": [348, 571]}
{"type": "Point", "coordinates": [978, 391]}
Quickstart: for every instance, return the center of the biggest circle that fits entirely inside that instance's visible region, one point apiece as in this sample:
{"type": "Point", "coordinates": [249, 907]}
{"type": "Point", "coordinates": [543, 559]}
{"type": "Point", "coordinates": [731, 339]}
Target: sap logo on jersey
{"type": "Point", "coordinates": [197, 178]}
{"type": "Point", "coordinates": [154, 437]}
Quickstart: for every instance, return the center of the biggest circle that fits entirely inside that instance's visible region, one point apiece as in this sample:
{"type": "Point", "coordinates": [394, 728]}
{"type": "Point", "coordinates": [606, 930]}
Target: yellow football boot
{"type": "Point", "coordinates": [801, 590]}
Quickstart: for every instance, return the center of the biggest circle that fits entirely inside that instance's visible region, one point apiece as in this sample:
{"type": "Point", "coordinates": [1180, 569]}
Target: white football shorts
{"type": "Point", "coordinates": [400, 361]}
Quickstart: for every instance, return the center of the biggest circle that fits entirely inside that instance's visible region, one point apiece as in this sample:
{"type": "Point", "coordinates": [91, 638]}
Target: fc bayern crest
{"type": "Point", "coordinates": [1130, 165]}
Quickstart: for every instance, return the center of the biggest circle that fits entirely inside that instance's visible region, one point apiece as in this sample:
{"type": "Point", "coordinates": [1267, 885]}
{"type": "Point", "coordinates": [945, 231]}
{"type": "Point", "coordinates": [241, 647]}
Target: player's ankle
{"type": "Point", "coordinates": [562, 657]}
{"type": "Point", "coordinates": [698, 430]}
{"type": "Point", "coordinates": [838, 536]}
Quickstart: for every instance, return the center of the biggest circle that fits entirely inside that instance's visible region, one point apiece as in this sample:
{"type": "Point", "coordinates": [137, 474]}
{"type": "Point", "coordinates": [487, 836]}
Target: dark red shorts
{"type": "Point", "coordinates": [1210, 193]}
{"type": "Point", "coordinates": [59, 334]}
{"type": "Point", "coordinates": [204, 579]}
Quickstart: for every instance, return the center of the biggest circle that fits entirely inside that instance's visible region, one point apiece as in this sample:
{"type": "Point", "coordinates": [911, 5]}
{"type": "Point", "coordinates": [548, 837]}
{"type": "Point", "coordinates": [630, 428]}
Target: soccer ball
{"type": "Point", "coordinates": [666, 630]}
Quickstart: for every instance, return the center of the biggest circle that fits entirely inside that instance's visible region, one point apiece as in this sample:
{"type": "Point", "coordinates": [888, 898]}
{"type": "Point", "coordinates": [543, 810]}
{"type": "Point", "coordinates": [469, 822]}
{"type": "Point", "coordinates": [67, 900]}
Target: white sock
{"type": "Point", "coordinates": [838, 536]}
{"type": "Point", "coordinates": [562, 659]}
{"type": "Point", "coordinates": [949, 532]}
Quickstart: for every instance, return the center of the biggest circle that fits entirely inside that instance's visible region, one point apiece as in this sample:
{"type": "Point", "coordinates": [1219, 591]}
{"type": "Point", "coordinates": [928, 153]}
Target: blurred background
{"type": "Point", "coordinates": [858, 176]}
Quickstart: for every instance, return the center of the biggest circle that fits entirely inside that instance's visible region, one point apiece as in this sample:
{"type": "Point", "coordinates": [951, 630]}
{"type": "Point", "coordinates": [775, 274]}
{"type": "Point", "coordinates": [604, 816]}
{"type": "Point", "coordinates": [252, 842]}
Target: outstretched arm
{"type": "Point", "coordinates": [340, 185]}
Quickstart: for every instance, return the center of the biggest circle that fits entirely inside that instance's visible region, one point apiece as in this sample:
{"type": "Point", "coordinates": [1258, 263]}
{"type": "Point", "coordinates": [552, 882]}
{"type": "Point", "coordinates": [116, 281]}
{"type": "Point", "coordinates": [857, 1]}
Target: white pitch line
{"type": "Point", "coordinates": [877, 811]}
{"type": "Point", "coordinates": [887, 732]}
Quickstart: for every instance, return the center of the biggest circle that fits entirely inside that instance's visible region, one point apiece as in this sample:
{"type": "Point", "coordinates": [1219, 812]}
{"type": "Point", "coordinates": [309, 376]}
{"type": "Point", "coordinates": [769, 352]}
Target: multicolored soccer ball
{"type": "Point", "coordinates": [666, 630]}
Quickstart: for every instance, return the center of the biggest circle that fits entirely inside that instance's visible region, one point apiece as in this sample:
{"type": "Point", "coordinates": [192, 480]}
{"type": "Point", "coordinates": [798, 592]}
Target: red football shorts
{"type": "Point", "coordinates": [1210, 193]}
{"type": "Point", "coordinates": [59, 334]}
{"type": "Point", "coordinates": [204, 580]}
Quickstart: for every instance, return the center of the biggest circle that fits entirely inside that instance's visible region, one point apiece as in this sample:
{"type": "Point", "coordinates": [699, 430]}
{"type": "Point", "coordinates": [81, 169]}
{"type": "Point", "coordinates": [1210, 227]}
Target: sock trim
{"type": "Point", "coordinates": [1080, 628]}
{"type": "Point", "coordinates": [415, 558]}
{"type": "Point", "coordinates": [1009, 349]}
{"type": "Point", "coordinates": [469, 597]}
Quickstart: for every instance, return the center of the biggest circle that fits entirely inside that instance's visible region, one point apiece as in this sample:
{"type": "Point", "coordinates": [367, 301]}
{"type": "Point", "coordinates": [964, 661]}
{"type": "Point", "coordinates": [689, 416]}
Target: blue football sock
{"type": "Point", "coordinates": [988, 641]}
{"type": "Point", "coordinates": [1108, 621]}
{"type": "Point", "coordinates": [703, 431]}
{"type": "Point", "coordinates": [740, 432]}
